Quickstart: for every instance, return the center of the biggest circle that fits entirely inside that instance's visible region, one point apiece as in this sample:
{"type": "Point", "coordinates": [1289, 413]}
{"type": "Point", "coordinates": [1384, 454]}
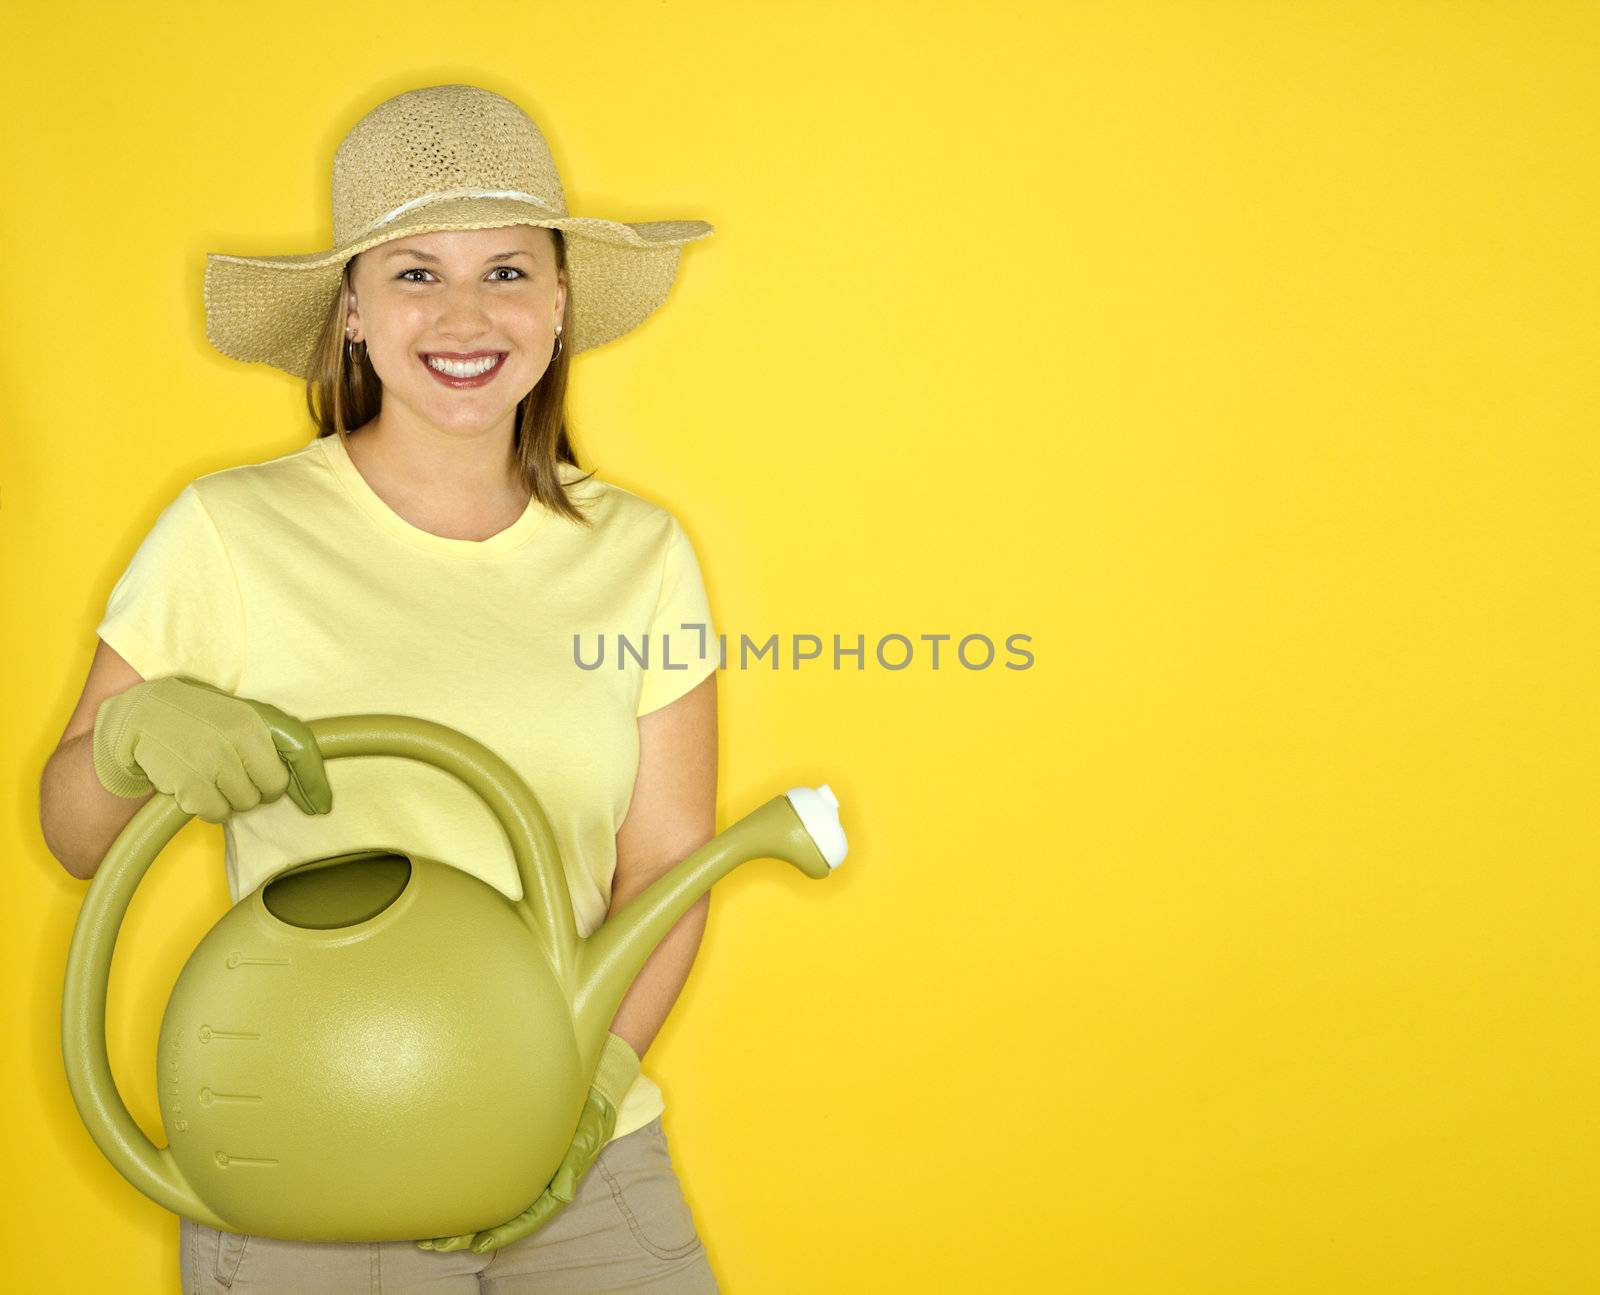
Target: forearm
{"type": "Point", "coordinates": [656, 988]}
{"type": "Point", "coordinates": [79, 817]}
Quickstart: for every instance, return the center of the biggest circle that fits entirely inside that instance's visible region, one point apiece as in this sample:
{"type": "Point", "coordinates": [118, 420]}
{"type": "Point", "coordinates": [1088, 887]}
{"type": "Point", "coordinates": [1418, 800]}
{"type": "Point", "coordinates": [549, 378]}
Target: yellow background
{"type": "Point", "coordinates": [1242, 354]}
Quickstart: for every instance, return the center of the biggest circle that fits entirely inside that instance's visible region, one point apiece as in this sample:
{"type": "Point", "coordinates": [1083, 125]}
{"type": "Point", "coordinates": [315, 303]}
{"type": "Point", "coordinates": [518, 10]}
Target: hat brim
{"type": "Point", "coordinates": [269, 309]}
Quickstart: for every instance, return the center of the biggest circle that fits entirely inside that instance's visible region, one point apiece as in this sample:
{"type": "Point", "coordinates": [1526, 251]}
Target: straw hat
{"type": "Point", "coordinates": [442, 157]}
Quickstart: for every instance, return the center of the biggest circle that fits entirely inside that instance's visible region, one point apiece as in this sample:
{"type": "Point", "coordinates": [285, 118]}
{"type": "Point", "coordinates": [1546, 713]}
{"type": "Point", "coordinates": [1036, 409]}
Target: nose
{"type": "Point", "coordinates": [462, 314]}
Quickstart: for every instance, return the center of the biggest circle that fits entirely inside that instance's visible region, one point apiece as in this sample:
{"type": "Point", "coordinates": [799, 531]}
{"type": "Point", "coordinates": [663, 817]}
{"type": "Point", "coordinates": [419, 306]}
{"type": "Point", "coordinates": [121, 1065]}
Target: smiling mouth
{"type": "Point", "coordinates": [463, 370]}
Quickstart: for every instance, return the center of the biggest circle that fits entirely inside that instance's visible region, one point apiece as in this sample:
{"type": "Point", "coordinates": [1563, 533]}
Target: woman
{"type": "Point", "coordinates": [434, 551]}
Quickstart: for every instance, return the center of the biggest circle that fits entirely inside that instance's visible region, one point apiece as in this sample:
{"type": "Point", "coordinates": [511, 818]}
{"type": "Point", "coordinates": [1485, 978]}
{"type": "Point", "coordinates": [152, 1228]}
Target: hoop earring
{"type": "Point", "coordinates": [349, 349]}
{"type": "Point", "coordinates": [556, 354]}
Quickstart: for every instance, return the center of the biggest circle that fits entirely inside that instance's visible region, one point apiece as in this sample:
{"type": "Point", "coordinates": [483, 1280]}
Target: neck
{"type": "Point", "coordinates": [453, 472]}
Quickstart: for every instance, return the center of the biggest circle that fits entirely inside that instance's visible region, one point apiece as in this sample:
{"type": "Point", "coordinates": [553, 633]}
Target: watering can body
{"type": "Point", "coordinates": [426, 1050]}
{"type": "Point", "coordinates": [376, 1045]}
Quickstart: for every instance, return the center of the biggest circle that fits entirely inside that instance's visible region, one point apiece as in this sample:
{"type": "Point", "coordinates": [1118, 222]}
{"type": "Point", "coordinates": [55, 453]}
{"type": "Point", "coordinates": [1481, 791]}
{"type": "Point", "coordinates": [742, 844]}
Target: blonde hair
{"type": "Point", "coordinates": [342, 395]}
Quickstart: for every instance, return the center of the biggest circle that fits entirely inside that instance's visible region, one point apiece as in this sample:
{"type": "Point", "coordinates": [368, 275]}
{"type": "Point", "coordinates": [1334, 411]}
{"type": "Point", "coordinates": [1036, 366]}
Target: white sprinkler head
{"type": "Point", "coordinates": [818, 808]}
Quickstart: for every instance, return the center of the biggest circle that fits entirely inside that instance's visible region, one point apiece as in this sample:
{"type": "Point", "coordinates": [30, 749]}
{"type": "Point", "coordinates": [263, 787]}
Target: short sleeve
{"type": "Point", "coordinates": [683, 646]}
{"type": "Point", "coordinates": [177, 609]}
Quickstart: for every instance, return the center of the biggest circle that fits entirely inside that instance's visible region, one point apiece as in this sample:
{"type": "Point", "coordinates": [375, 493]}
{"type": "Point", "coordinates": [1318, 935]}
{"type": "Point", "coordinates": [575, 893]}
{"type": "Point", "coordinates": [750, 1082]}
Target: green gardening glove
{"type": "Point", "coordinates": [214, 753]}
{"type": "Point", "coordinates": [619, 1066]}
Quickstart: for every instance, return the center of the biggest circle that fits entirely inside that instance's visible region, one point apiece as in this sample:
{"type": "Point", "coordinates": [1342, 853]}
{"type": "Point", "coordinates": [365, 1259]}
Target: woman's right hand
{"type": "Point", "coordinates": [214, 753]}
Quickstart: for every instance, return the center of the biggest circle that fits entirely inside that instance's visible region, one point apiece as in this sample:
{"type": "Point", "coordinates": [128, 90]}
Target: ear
{"type": "Point", "coordinates": [352, 315]}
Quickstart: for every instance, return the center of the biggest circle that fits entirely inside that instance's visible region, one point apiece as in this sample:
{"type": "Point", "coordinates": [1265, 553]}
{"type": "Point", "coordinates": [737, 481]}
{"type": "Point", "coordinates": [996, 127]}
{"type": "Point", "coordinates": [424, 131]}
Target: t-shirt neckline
{"type": "Point", "coordinates": [370, 503]}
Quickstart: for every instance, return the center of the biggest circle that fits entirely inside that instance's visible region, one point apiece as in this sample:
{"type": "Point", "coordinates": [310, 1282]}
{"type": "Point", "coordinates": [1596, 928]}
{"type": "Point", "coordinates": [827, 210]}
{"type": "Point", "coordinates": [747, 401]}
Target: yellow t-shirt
{"type": "Point", "coordinates": [292, 582]}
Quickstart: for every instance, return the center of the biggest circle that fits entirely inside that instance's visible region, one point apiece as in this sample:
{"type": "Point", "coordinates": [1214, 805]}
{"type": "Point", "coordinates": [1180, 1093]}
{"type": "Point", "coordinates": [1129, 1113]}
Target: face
{"type": "Point", "coordinates": [462, 295]}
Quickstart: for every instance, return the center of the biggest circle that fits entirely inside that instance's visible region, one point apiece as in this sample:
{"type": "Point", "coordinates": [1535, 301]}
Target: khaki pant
{"type": "Point", "coordinates": [629, 1228]}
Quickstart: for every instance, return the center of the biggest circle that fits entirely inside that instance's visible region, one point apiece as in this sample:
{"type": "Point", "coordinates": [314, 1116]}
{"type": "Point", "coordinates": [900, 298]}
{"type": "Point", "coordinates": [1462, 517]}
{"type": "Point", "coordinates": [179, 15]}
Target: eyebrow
{"type": "Point", "coordinates": [428, 256]}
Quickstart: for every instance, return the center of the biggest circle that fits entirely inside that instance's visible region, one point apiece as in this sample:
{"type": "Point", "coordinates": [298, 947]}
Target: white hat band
{"type": "Point", "coordinates": [442, 194]}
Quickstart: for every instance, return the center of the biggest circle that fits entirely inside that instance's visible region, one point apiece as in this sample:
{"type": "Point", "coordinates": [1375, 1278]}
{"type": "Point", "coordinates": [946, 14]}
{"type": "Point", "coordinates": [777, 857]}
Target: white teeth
{"type": "Point", "coordinates": [463, 368]}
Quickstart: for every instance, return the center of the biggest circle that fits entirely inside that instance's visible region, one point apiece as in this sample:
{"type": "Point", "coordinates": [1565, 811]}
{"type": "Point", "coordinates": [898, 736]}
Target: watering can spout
{"type": "Point", "coordinates": [800, 827]}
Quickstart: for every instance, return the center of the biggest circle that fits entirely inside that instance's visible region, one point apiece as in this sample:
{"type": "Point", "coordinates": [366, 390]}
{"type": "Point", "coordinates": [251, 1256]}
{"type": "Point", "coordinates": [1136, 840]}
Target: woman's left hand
{"type": "Point", "coordinates": [619, 1065]}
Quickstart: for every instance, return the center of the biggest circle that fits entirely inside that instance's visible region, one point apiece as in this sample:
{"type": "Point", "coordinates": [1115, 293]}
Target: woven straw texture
{"type": "Point", "coordinates": [424, 161]}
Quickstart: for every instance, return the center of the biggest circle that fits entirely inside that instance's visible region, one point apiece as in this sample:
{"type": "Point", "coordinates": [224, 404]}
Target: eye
{"type": "Point", "coordinates": [417, 269]}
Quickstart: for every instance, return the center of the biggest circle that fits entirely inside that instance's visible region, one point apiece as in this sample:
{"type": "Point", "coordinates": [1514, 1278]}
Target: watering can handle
{"type": "Point", "coordinates": [546, 904]}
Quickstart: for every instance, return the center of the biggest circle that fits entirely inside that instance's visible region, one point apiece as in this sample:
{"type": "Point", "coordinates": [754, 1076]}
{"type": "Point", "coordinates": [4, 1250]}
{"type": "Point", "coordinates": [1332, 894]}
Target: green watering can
{"type": "Point", "coordinates": [377, 1046]}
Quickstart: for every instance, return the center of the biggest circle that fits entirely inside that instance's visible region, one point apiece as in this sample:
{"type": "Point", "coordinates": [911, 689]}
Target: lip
{"type": "Point", "coordinates": [444, 379]}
